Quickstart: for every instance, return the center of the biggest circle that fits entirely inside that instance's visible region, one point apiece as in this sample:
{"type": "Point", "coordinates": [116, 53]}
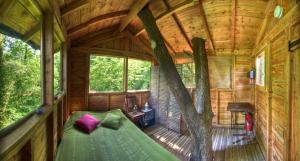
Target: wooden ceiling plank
{"type": "Point", "coordinates": [233, 23]}
{"type": "Point", "coordinates": [97, 19]}
{"type": "Point", "coordinates": [134, 10]}
{"type": "Point", "coordinates": [6, 5]}
{"type": "Point", "coordinates": [73, 6]}
{"type": "Point", "coordinates": [101, 38]}
{"type": "Point", "coordinates": [179, 25]}
{"type": "Point", "coordinates": [30, 34]}
{"type": "Point", "coordinates": [172, 10]}
{"type": "Point", "coordinates": [270, 6]}
{"type": "Point", "coordinates": [206, 28]}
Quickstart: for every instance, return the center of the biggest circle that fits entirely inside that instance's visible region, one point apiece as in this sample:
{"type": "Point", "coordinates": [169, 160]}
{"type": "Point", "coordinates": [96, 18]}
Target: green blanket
{"type": "Point", "coordinates": [128, 143]}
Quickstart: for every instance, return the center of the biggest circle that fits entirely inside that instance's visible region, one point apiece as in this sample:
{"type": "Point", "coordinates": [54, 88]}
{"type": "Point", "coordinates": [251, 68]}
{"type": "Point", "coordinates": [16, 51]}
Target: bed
{"type": "Point", "coordinates": [128, 143]}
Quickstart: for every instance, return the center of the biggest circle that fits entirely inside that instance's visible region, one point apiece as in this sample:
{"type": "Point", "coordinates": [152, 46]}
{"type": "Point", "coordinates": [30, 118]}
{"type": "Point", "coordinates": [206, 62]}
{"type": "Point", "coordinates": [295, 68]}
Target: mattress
{"type": "Point", "coordinates": [128, 143]}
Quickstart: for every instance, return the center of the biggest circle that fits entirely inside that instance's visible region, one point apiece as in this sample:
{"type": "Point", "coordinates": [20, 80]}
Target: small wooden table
{"type": "Point", "coordinates": [135, 116]}
{"type": "Point", "coordinates": [235, 107]}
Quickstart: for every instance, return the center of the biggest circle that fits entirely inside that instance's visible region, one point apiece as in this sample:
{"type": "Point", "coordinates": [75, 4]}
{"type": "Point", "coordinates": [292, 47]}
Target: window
{"type": "Point", "coordinates": [20, 80]}
{"type": "Point", "coordinates": [260, 69]}
{"type": "Point", "coordinates": [139, 74]}
{"type": "Point", "coordinates": [187, 74]}
{"type": "Point", "coordinates": [57, 73]}
{"type": "Point", "coordinates": [106, 74]}
{"type": "Point", "coordinates": [220, 72]}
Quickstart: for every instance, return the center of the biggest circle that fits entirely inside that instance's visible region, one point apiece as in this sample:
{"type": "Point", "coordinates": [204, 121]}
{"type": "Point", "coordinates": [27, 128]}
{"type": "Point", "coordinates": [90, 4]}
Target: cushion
{"type": "Point", "coordinates": [87, 123]}
{"type": "Point", "coordinates": [112, 121]}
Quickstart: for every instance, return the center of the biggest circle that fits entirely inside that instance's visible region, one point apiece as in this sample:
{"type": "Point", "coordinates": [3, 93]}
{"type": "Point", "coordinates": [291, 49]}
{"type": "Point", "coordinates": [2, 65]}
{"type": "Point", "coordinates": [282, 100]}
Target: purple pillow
{"type": "Point", "coordinates": [87, 123]}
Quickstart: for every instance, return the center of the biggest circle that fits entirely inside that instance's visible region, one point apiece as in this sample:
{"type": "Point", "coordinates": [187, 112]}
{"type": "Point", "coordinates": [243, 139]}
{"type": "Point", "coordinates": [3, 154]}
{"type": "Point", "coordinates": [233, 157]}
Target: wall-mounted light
{"type": "Point", "coordinates": [278, 11]}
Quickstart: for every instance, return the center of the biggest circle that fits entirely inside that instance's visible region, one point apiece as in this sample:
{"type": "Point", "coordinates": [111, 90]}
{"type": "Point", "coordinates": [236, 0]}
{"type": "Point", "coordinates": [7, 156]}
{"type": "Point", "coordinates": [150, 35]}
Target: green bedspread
{"type": "Point", "coordinates": [128, 143]}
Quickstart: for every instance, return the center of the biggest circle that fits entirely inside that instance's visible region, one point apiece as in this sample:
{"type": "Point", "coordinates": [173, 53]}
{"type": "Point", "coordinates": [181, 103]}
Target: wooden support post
{"type": "Point", "coordinates": [197, 123]}
{"type": "Point", "coordinates": [125, 74]}
{"type": "Point", "coordinates": [47, 57]}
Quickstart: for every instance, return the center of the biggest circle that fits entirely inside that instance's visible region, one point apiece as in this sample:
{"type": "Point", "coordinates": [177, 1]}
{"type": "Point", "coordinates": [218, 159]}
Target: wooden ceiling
{"type": "Point", "coordinates": [226, 24]}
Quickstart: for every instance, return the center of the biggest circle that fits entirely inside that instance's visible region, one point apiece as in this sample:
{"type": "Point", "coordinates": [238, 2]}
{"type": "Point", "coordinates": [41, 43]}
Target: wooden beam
{"type": "Point", "coordinates": [140, 43]}
{"type": "Point", "coordinates": [73, 6]}
{"type": "Point", "coordinates": [30, 34]}
{"type": "Point", "coordinates": [270, 6]}
{"type": "Point", "coordinates": [179, 7]}
{"type": "Point", "coordinates": [96, 20]}
{"type": "Point", "coordinates": [233, 23]}
{"type": "Point", "coordinates": [179, 25]}
{"type": "Point", "coordinates": [113, 52]}
{"type": "Point", "coordinates": [47, 57]}
{"type": "Point", "coordinates": [134, 10]}
{"type": "Point", "coordinates": [206, 28]}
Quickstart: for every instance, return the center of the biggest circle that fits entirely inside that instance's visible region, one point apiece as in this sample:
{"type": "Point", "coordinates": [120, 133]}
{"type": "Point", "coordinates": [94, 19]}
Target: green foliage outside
{"type": "Point", "coordinates": [57, 73]}
{"type": "Point", "coordinates": [20, 80]}
{"type": "Point", "coordinates": [106, 74]}
{"type": "Point", "coordinates": [187, 73]}
{"type": "Point", "coordinates": [139, 73]}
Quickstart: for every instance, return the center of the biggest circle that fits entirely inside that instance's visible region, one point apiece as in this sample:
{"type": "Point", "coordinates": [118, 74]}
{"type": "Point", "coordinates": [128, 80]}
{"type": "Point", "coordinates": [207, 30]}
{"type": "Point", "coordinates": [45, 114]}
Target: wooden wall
{"type": "Point", "coordinates": [275, 103]}
{"type": "Point", "coordinates": [79, 96]}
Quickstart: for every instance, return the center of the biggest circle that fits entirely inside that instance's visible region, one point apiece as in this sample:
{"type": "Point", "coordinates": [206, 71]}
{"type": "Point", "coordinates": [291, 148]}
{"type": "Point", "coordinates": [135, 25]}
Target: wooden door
{"type": "Point", "coordinates": [280, 103]}
{"type": "Point", "coordinates": [295, 111]}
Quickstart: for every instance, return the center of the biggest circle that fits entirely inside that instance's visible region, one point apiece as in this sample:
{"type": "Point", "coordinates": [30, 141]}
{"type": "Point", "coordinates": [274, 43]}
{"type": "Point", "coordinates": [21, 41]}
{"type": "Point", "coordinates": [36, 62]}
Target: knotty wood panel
{"type": "Point", "coordinates": [261, 107]}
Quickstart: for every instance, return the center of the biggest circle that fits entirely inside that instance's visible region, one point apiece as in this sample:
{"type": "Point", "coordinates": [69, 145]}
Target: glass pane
{"type": "Point", "coordinates": [57, 73]}
{"type": "Point", "coordinates": [106, 74]}
{"type": "Point", "coordinates": [139, 74]}
{"type": "Point", "coordinates": [20, 80]}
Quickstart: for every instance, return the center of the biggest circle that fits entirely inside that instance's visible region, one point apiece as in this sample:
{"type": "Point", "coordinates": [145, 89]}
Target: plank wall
{"type": "Point", "coordinates": [276, 122]}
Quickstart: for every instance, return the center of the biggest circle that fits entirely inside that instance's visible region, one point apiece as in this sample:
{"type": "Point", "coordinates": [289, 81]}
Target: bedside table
{"type": "Point", "coordinates": [135, 116]}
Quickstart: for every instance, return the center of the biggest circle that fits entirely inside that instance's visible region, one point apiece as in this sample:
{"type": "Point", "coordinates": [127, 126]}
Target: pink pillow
{"type": "Point", "coordinates": [87, 123]}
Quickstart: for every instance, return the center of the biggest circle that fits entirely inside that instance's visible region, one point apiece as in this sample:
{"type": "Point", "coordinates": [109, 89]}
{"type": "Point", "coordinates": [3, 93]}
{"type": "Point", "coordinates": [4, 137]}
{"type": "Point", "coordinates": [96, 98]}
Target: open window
{"type": "Point", "coordinates": [260, 69]}
{"type": "Point", "coordinates": [139, 75]}
{"type": "Point", "coordinates": [106, 74]}
{"type": "Point", "coordinates": [20, 79]}
{"type": "Point", "coordinates": [57, 72]}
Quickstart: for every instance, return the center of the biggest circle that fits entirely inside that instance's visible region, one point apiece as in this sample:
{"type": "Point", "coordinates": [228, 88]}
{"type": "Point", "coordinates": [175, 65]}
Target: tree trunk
{"type": "Point", "coordinates": [199, 124]}
{"type": "Point", "coordinates": [202, 100]}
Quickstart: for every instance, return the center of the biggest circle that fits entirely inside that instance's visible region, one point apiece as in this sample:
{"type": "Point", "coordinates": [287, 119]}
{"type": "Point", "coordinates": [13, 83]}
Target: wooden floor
{"type": "Point", "coordinates": [223, 147]}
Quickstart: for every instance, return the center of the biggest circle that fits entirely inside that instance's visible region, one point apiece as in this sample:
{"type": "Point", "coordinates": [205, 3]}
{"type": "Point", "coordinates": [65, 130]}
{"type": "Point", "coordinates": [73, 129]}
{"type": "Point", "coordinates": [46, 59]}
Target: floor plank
{"type": "Point", "coordinates": [222, 139]}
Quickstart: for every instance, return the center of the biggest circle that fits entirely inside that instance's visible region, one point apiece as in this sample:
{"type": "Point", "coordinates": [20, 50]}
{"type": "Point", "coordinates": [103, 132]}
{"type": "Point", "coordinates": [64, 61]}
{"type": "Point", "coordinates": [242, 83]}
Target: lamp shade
{"type": "Point", "coordinates": [278, 11]}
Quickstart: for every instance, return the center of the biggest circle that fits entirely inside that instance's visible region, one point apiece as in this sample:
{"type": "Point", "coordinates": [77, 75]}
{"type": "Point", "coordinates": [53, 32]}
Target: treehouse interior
{"type": "Point", "coordinates": [112, 52]}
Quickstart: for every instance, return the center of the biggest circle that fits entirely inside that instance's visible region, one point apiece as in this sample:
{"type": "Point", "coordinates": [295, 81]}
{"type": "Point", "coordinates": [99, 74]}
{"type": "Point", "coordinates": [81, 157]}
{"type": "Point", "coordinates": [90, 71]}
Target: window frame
{"type": "Point", "coordinates": [261, 54]}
